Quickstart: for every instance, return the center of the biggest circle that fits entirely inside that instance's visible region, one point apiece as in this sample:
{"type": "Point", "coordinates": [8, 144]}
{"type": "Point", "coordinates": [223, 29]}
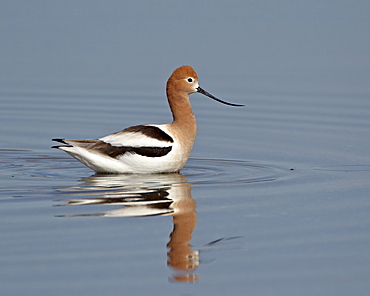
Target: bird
{"type": "Point", "coordinates": [147, 148]}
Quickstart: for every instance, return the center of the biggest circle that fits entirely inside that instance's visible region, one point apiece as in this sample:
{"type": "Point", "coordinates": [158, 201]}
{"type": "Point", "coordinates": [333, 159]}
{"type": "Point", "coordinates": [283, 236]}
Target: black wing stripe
{"type": "Point", "coordinates": [150, 131]}
{"type": "Point", "coordinates": [115, 152]}
{"type": "Point", "coordinates": [150, 151]}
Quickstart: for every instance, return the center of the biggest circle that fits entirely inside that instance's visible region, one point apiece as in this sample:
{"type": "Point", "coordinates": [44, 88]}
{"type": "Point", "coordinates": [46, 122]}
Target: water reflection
{"type": "Point", "coordinates": [147, 195]}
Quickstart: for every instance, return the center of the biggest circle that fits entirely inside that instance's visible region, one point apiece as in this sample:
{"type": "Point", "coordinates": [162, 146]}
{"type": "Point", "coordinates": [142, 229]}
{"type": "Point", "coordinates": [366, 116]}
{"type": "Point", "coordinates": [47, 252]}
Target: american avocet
{"type": "Point", "coordinates": [148, 148]}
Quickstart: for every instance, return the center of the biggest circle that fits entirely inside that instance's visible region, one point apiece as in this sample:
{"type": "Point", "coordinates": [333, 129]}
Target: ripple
{"type": "Point", "coordinates": [344, 168]}
{"type": "Point", "coordinates": [222, 171]}
{"type": "Point", "coordinates": [25, 164]}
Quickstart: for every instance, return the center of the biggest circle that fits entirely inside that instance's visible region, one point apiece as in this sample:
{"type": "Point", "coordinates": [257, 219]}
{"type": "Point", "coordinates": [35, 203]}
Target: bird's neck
{"type": "Point", "coordinates": [184, 124]}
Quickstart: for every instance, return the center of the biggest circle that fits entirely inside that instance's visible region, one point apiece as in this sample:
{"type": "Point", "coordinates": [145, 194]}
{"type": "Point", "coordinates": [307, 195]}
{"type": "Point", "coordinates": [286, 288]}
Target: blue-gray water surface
{"type": "Point", "coordinates": [281, 207]}
{"type": "Point", "coordinates": [275, 197]}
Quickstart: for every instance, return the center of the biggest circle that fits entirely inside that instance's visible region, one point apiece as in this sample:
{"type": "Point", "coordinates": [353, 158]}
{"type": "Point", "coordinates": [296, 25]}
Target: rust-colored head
{"type": "Point", "coordinates": [183, 79]}
{"type": "Point", "coordinates": [184, 72]}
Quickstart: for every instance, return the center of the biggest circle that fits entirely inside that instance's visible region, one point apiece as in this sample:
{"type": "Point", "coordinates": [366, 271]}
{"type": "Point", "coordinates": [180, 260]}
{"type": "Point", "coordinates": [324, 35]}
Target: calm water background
{"type": "Point", "coordinates": [275, 198]}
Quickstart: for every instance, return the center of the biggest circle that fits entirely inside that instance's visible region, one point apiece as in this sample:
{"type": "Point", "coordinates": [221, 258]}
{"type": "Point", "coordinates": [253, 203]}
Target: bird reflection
{"type": "Point", "coordinates": [147, 195]}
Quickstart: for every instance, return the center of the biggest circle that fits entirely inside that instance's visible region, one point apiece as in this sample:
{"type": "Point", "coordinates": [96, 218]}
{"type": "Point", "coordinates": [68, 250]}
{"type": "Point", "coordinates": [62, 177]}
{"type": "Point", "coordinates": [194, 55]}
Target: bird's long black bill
{"type": "Point", "coordinates": [202, 91]}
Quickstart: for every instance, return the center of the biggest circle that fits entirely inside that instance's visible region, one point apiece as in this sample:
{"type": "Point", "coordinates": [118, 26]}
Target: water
{"type": "Point", "coordinates": [287, 207]}
{"type": "Point", "coordinates": [275, 197]}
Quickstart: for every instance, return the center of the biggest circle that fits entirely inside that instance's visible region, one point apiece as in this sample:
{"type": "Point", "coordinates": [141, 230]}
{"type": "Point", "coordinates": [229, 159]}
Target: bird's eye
{"type": "Point", "coordinates": [190, 80]}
